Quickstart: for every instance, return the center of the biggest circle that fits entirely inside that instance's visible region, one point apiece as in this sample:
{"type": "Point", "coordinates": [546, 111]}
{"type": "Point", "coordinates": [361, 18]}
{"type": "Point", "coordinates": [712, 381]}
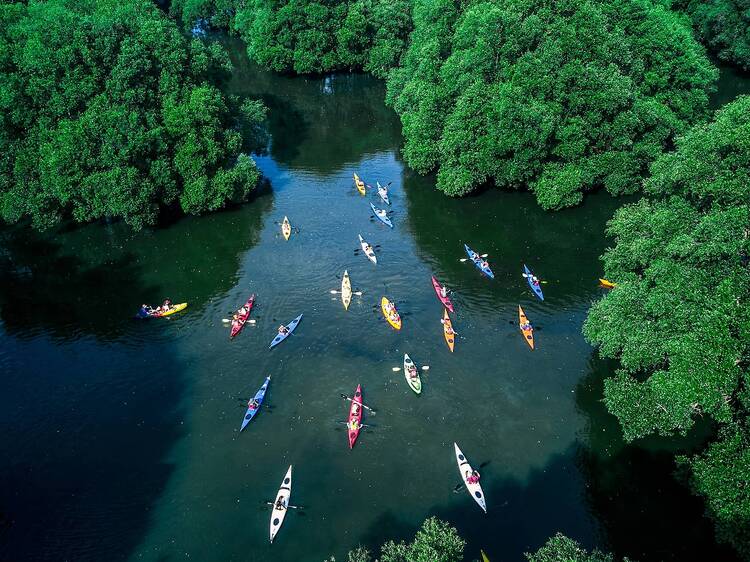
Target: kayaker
{"type": "Point", "coordinates": [413, 373]}
{"type": "Point", "coordinates": [353, 425]}
{"type": "Point", "coordinates": [146, 310]}
{"type": "Point", "coordinates": [484, 264]}
{"type": "Point", "coordinates": [472, 478]}
{"type": "Point", "coordinates": [355, 409]}
{"type": "Point", "coordinates": [253, 404]}
{"type": "Point", "coordinates": [167, 305]}
{"type": "Point", "coordinates": [279, 504]}
{"type": "Point", "coordinates": [444, 291]}
{"type": "Point", "coordinates": [526, 326]}
{"type": "Point", "coordinates": [535, 280]}
{"type": "Point", "coordinates": [283, 330]}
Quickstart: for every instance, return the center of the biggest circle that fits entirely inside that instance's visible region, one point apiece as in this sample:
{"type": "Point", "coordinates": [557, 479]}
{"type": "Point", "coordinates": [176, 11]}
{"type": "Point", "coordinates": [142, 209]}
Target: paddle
{"type": "Point", "coordinates": [335, 292]}
{"type": "Point", "coordinates": [360, 425]}
{"type": "Point", "coordinates": [528, 276]}
{"type": "Point", "coordinates": [423, 367]}
{"type": "Point", "coordinates": [345, 397]}
{"type": "Point", "coordinates": [467, 259]}
{"type": "Point", "coordinates": [229, 320]}
{"type": "Point", "coordinates": [462, 484]}
{"type": "Point", "coordinates": [290, 506]}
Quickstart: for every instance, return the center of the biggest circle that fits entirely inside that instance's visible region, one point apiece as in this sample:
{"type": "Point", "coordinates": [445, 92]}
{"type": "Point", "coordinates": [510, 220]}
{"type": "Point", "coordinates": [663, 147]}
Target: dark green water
{"type": "Point", "coordinates": [120, 437]}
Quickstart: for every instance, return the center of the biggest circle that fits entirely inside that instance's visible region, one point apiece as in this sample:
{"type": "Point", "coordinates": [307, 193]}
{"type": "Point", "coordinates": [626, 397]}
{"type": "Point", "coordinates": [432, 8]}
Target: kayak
{"type": "Point", "coordinates": [528, 333]}
{"type": "Point", "coordinates": [412, 375]}
{"type": "Point", "coordinates": [484, 556]}
{"type": "Point", "coordinates": [607, 284]}
{"type": "Point", "coordinates": [250, 414]}
{"type": "Point", "coordinates": [381, 215]}
{"type": "Point", "coordinates": [367, 249]}
{"type": "Point", "coordinates": [396, 321]}
{"type": "Point", "coordinates": [346, 290]}
{"type": "Point", "coordinates": [286, 228]}
{"type": "Point", "coordinates": [277, 515]}
{"type": "Point", "coordinates": [238, 324]}
{"type": "Point", "coordinates": [478, 262]}
{"type": "Point", "coordinates": [281, 337]}
{"type": "Point", "coordinates": [443, 299]}
{"type": "Point", "coordinates": [448, 330]}
{"type": "Point", "coordinates": [360, 184]}
{"type": "Point", "coordinates": [175, 308]}
{"type": "Point", "coordinates": [355, 413]}
{"type": "Point", "coordinates": [383, 192]}
{"type": "Point", "coordinates": [536, 288]}
{"type": "Point", "coordinates": [464, 468]}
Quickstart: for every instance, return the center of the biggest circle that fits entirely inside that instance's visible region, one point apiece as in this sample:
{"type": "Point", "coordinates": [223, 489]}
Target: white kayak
{"type": "Point", "coordinates": [383, 192]}
{"type": "Point", "coordinates": [277, 515]}
{"type": "Point", "coordinates": [346, 290]}
{"type": "Point", "coordinates": [412, 375]}
{"type": "Point", "coordinates": [464, 468]}
{"type": "Point", "coordinates": [367, 249]}
{"type": "Point", "coordinates": [381, 215]}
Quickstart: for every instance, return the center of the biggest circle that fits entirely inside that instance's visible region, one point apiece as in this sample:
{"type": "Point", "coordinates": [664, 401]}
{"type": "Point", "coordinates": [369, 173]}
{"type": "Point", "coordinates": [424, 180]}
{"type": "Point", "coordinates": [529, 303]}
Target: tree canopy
{"type": "Point", "coordinates": [560, 548]}
{"type": "Point", "coordinates": [679, 319]}
{"type": "Point", "coordinates": [106, 111]}
{"type": "Point", "coordinates": [561, 96]}
{"type": "Point", "coordinates": [724, 26]}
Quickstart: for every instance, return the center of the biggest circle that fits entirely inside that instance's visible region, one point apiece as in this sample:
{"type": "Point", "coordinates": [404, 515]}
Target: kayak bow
{"type": "Point", "coordinates": [607, 284]}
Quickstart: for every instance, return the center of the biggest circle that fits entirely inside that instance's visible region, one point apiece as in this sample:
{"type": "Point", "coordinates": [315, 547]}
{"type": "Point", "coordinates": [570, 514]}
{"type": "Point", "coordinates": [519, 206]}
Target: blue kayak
{"type": "Point", "coordinates": [257, 401]}
{"type": "Point", "coordinates": [537, 288]}
{"type": "Point", "coordinates": [478, 262]}
{"type": "Point", "coordinates": [381, 215]}
{"type": "Point", "coordinates": [290, 328]}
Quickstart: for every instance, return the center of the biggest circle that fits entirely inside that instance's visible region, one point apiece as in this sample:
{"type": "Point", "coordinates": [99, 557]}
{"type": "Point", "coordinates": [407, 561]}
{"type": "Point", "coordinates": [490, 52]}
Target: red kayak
{"type": "Point", "coordinates": [445, 300]}
{"type": "Point", "coordinates": [238, 324]}
{"type": "Point", "coordinates": [355, 416]}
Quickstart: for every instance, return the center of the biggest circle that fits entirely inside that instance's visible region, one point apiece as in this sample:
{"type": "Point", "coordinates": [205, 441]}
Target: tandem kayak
{"type": "Point", "coordinates": [443, 299]}
{"type": "Point", "coordinates": [412, 375]}
{"type": "Point", "coordinates": [525, 327]}
{"type": "Point", "coordinates": [354, 424]}
{"type": "Point", "coordinates": [383, 192]}
{"type": "Point", "coordinates": [281, 337]}
{"type": "Point", "coordinates": [360, 184]}
{"type": "Point", "coordinates": [448, 333]}
{"type": "Point", "coordinates": [239, 323]}
{"type": "Point", "coordinates": [346, 290]}
{"type": "Point", "coordinates": [278, 513]}
{"type": "Point", "coordinates": [607, 284]}
{"type": "Point", "coordinates": [286, 228]}
{"type": "Point", "coordinates": [158, 314]}
{"type": "Point", "coordinates": [381, 215]}
{"type": "Point", "coordinates": [367, 249]}
{"type": "Point", "coordinates": [464, 468]}
{"type": "Point", "coordinates": [478, 262]}
{"type": "Point", "coordinates": [390, 313]}
{"type": "Point", "coordinates": [535, 286]}
{"type": "Point", "coordinates": [254, 405]}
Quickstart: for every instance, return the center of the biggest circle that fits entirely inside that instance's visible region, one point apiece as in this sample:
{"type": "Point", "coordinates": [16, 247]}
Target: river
{"type": "Point", "coordinates": [120, 438]}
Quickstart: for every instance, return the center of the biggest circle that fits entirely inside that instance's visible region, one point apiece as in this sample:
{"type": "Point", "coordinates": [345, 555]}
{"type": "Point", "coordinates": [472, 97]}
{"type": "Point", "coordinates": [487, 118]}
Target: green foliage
{"type": "Point", "coordinates": [724, 25]}
{"type": "Point", "coordinates": [308, 36]}
{"type": "Point", "coordinates": [562, 97]}
{"type": "Point", "coordinates": [679, 319]}
{"type": "Point", "coordinates": [436, 541]}
{"type": "Point", "coordinates": [105, 113]}
{"type": "Point", "coordinates": [562, 549]}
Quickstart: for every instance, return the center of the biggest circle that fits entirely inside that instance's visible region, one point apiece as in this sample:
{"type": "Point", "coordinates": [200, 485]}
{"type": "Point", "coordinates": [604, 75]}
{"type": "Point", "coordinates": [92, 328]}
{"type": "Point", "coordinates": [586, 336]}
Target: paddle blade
{"type": "Point", "coordinates": [225, 320]}
{"type": "Point", "coordinates": [333, 291]}
{"type": "Point", "coordinates": [425, 367]}
{"type": "Point", "coordinates": [463, 259]}
{"type": "Point", "coordinates": [395, 369]}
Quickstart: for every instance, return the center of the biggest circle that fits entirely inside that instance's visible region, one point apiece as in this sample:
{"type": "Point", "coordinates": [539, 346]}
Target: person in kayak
{"type": "Point", "coordinates": [473, 477]}
{"type": "Point", "coordinates": [525, 326]}
{"type": "Point", "coordinates": [448, 327]}
{"type": "Point", "coordinates": [444, 291]}
{"type": "Point", "coordinates": [146, 310]}
{"type": "Point", "coordinates": [353, 425]}
{"type": "Point", "coordinates": [279, 505]}
{"type": "Point", "coordinates": [413, 373]}
{"type": "Point", "coordinates": [166, 305]}
{"type": "Point", "coordinates": [242, 311]}
{"type": "Point", "coordinates": [283, 330]}
{"type": "Point", "coordinates": [484, 264]}
{"type": "Point", "coordinates": [253, 404]}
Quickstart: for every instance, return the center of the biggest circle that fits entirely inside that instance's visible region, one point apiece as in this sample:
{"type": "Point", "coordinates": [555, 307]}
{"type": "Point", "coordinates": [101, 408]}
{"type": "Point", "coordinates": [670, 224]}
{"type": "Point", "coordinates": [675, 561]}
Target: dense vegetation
{"type": "Point", "coordinates": [106, 111]}
{"type": "Point", "coordinates": [437, 541]}
{"type": "Point", "coordinates": [724, 26]}
{"type": "Point", "coordinates": [559, 96]}
{"type": "Point", "coordinates": [679, 320]}
{"type": "Point", "coordinates": [309, 36]}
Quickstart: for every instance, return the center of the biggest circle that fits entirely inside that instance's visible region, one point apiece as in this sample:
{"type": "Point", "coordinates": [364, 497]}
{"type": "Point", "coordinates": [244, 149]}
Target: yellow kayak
{"type": "Point", "coordinates": [390, 313]}
{"type": "Point", "coordinates": [484, 556]}
{"type": "Point", "coordinates": [346, 290]}
{"type": "Point", "coordinates": [286, 228]}
{"type": "Point", "coordinates": [175, 308]}
{"type": "Point", "coordinates": [607, 284]}
{"type": "Point", "coordinates": [360, 184]}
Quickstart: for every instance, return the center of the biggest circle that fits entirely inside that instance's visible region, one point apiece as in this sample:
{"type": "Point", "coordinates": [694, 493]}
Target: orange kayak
{"type": "Point", "coordinates": [525, 326]}
{"type": "Point", "coordinates": [392, 316]}
{"type": "Point", "coordinates": [607, 284]}
{"type": "Point", "coordinates": [450, 338]}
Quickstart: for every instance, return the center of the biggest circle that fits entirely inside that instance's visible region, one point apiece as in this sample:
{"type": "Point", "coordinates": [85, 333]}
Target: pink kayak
{"type": "Point", "coordinates": [445, 300]}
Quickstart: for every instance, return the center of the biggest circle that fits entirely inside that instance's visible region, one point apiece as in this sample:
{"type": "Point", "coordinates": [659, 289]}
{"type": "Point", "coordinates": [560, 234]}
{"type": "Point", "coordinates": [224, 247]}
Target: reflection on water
{"type": "Point", "coordinates": [124, 440]}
